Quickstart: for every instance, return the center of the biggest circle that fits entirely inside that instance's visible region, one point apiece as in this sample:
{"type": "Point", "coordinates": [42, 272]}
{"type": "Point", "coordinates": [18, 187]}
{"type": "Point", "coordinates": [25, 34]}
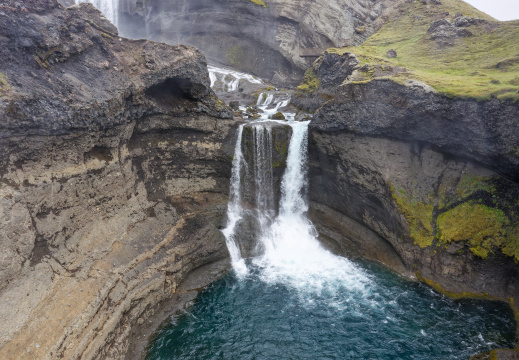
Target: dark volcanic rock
{"type": "Point", "coordinates": [114, 172]}
{"type": "Point", "coordinates": [391, 53]}
{"type": "Point", "coordinates": [484, 131]}
{"type": "Point", "coordinates": [445, 32]}
{"type": "Point", "coordinates": [332, 70]}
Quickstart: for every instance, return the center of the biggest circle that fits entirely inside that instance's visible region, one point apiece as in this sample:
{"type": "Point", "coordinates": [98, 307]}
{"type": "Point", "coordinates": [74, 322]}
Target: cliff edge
{"type": "Point", "coordinates": [113, 182]}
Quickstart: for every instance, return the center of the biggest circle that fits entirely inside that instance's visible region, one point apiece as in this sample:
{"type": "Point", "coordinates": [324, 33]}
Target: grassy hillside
{"type": "Point", "coordinates": [479, 66]}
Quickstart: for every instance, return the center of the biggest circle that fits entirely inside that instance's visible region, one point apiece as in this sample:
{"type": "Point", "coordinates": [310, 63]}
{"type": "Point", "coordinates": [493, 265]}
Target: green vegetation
{"type": "Point", "coordinates": [453, 190]}
{"type": "Point", "coordinates": [4, 84]}
{"type": "Point", "coordinates": [454, 295]}
{"type": "Point", "coordinates": [479, 66]}
{"type": "Point", "coordinates": [278, 116]}
{"type": "Point", "coordinates": [281, 147]}
{"type": "Point", "coordinates": [235, 55]}
{"type": "Point", "coordinates": [259, 2]}
{"type": "Point", "coordinates": [418, 215]}
{"type": "Point", "coordinates": [310, 82]}
{"type": "Point", "coordinates": [470, 210]}
{"type": "Point", "coordinates": [483, 227]}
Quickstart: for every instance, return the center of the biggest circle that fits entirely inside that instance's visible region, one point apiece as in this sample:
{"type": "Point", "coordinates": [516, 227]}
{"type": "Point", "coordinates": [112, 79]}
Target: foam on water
{"type": "Point", "coordinates": [293, 255]}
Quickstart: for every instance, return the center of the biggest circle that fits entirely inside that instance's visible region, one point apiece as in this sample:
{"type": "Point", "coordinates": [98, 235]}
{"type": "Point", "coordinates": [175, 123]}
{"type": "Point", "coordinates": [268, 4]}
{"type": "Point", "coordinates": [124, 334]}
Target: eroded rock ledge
{"type": "Point", "coordinates": [114, 165]}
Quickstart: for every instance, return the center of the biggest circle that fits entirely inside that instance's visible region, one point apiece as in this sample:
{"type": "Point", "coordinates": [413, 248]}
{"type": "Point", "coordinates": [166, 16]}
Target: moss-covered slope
{"type": "Point", "coordinates": [466, 53]}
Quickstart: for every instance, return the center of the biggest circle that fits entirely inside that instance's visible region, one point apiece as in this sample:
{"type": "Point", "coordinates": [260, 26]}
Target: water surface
{"type": "Point", "coordinates": [387, 318]}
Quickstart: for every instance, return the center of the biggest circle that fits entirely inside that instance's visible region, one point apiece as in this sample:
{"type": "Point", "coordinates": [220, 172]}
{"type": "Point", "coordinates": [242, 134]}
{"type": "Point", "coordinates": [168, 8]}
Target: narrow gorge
{"type": "Point", "coordinates": [154, 206]}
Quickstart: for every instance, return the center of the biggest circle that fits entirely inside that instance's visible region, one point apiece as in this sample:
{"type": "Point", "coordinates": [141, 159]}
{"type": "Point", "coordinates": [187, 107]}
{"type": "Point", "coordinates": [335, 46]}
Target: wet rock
{"type": "Point", "coordinates": [278, 116]}
{"type": "Point", "coordinates": [234, 104]}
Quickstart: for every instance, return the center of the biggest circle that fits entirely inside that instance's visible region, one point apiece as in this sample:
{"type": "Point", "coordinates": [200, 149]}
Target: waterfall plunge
{"type": "Point", "coordinates": [290, 252]}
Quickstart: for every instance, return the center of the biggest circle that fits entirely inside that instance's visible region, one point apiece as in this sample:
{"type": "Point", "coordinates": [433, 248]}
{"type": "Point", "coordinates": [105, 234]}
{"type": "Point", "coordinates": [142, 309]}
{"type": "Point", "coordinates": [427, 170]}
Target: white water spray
{"type": "Point", "coordinates": [292, 255]}
{"type": "Point", "coordinates": [230, 79]}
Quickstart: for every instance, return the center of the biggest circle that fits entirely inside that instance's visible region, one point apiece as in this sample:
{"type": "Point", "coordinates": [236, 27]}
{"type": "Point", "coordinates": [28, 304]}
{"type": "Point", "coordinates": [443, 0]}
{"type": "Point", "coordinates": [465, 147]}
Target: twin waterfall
{"type": "Point", "coordinates": [285, 249]}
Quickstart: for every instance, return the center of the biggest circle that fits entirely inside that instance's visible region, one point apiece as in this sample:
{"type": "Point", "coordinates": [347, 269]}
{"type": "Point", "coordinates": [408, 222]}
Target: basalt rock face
{"type": "Point", "coordinates": [423, 183]}
{"type": "Point", "coordinates": [115, 166]}
{"type": "Point", "coordinates": [262, 40]}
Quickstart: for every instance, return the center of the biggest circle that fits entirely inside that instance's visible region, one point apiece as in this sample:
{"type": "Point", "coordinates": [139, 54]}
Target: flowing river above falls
{"type": "Point", "coordinates": [289, 298]}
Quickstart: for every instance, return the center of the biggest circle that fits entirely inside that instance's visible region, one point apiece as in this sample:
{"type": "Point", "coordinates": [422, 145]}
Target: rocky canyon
{"type": "Point", "coordinates": [116, 154]}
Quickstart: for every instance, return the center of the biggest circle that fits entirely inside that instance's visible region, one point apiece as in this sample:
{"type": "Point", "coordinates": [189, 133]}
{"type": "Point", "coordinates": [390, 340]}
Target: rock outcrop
{"type": "Point", "coordinates": [264, 38]}
{"type": "Point", "coordinates": [424, 183]}
{"type": "Point", "coordinates": [115, 166]}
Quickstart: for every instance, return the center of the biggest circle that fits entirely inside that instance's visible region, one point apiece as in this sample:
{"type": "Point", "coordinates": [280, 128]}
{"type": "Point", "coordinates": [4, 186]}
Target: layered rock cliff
{"type": "Point", "coordinates": [115, 164]}
{"type": "Point", "coordinates": [264, 38]}
{"type": "Point", "coordinates": [419, 177]}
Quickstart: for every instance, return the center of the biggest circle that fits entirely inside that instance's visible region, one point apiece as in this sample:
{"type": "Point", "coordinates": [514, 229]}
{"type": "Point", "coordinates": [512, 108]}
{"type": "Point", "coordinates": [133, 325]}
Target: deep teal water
{"type": "Point", "coordinates": [392, 318]}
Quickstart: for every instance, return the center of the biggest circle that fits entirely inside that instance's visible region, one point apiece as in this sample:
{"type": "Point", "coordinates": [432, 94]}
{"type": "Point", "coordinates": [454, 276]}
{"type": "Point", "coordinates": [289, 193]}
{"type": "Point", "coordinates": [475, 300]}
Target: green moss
{"type": "Point", "coordinates": [247, 131]}
{"type": "Point", "coordinates": [511, 245]}
{"type": "Point", "coordinates": [278, 116]}
{"type": "Point", "coordinates": [480, 66]}
{"type": "Point", "coordinates": [281, 147]}
{"type": "Point", "coordinates": [107, 36]}
{"type": "Point", "coordinates": [470, 184]}
{"type": "Point", "coordinates": [453, 190]}
{"type": "Point", "coordinates": [259, 2]}
{"type": "Point", "coordinates": [4, 84]}
{"type": "Point", "coordinates": [454, 295]}
{"type": "Point", "coordinates": [483, 227]}
{"type": "Point", "coordinates": [418, 215]}
{"type": "Point", "coordinates": [310, 82]}
{"type": "Point", "coordinates": [235, 55]}
{"type": "Point", "coordinates": [259, 96]}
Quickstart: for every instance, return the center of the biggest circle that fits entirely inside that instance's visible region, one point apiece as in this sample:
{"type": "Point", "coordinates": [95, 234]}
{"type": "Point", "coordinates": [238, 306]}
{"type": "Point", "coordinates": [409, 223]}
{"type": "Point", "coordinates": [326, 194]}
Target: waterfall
{"type": "Point", "coordinates": [234, 208]}
{"type": "Point", "coordinates": [263, 175]}
{"type": "Point", "coordinates": [109, 8]}
{"type": "Point", "coordinates": [290, 251]}
{"type": "Point", "coordinates": [230, 79]}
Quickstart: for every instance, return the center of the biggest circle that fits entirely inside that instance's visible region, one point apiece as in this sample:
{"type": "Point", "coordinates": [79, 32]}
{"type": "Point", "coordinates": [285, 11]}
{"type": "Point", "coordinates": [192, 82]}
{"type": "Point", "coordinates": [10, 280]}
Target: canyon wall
{"type": "Point", "coordinates": [264, 38]}
{"type": "Point", "coordinates": [421, 182]}
{"type": "Point", "coordinates": [115, 164]}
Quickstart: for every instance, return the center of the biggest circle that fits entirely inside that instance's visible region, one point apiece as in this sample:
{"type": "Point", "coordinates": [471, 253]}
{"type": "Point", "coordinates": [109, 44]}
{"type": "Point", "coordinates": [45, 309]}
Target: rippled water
{"type": "Point", "coordinates": [391, 318]}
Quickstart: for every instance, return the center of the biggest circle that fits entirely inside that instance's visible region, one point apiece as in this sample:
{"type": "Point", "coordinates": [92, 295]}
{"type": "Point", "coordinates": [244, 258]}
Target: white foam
{"type": "Point", "coordinates": [293, 255]}
{"type": "Point", "coordinates": [230, 78]}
